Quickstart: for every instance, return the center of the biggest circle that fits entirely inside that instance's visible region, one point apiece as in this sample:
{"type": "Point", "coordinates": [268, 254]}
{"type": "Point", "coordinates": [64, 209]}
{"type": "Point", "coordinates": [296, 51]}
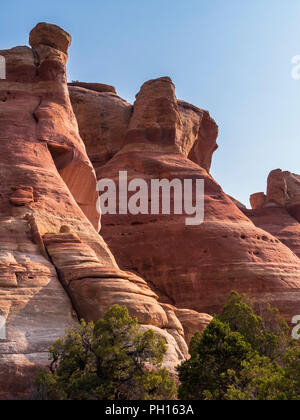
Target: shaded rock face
{"type": "Point", "coordinates": [278, 211]}
{"type": "Point", "coordinates": [279, 223]}
{"type": "Point", "coordinates": [54, 265]}
{"type": "Point", "coordinates": [190, 267]}
{"type": "Point", "coordinates": [103, 118]}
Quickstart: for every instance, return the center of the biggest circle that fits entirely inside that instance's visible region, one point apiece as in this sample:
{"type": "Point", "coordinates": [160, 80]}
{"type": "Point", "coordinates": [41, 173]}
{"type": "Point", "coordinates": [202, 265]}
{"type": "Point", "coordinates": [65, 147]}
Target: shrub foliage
{"type": "Point", "coordinates": [242, 356]}
{"type": "Point", "coordinates": [109, 360]}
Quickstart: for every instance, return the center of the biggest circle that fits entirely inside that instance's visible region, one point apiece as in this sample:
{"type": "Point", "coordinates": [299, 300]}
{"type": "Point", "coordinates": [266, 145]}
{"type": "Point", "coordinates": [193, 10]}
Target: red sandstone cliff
{"type": "Point", "coordinates": [55, 267]}
{"type": "Point", "coordinates": [192, 267]}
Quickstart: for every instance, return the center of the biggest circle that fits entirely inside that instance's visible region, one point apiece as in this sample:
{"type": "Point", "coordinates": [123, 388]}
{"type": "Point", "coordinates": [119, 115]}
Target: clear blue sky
{"type": "Point", "coordinates": [231, 57]}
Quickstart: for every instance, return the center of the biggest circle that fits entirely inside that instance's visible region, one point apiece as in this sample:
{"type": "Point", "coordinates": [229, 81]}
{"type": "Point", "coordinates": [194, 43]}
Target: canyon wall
{"type": "Point", "coordinates": [56, 141]}
{"type": "Point", "coordinates": [193, 267]}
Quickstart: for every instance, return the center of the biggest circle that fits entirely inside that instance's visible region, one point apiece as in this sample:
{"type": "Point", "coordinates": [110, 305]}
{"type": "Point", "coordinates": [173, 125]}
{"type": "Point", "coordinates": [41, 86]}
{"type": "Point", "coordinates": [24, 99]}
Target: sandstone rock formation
{"type": "Point", "coordinates": [278, 211]}
{"type": "Point", "coordinates": [284, 189]}
{"type": "Point", "coordinates": [95, 87]}
{"type": "Point", "coordinates": [192, 267]}
{"type": "Point", "coordinates": [237, 203]}
{"type": "Point", "coordinates": [54, 266]}
{"type": "Point", "coordinates": [103, 118]}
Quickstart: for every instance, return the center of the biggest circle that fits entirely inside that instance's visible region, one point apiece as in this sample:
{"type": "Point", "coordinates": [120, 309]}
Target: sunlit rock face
{"type": "Point", "coordinates": [189, 267]}
{"type": "Point", "coordinates": [54, 265]}
{"type": "Point", "coordinates": [277, 212]}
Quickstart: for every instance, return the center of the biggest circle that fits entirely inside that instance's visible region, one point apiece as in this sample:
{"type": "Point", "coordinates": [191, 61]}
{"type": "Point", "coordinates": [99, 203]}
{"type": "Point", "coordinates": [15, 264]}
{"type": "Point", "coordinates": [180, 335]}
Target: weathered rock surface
{"type": "Point", "coordinates": [50, 35]}
{"type": "Point", "coordinates": [52, 259]}
{"type": "Point", "coordinates": [277, 212]}
{"type": "Point", "coordinates": [191, 267]}
{"type": "Point", "coordinates": [176, 126]}
{"type": "Point", "coordinates": [96, 87]}
{"type": "Point", "coordinates": [192, 322]}
{"type": "Point", "coordinates": [54, 265]}
{"type": "Point", "coordinates": [258, 200]}
{"type": "Point", "coordinates": [34, 304]}
{"type": "Point", "coordinates": [95, 286]}
{"type": "Point", "coordinates": [279, 223]}
{"type": "Point", "coordinates": [103, 119]}
{"type": "Point", "coordinates": [35, 115]}
{"type": "Point", "coordinates": [284, 189]}
{"type": "Point", "coordinates": [199, 139]}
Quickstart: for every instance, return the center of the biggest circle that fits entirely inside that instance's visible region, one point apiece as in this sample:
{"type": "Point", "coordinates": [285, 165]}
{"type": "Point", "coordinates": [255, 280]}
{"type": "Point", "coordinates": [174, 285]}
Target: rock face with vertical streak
{"type": "Point", "coordinates": [54, 265]}
{"type": "Point", "coordinates": [190, 267]}
{"type": "Point", "coordinates": [278, 211]}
